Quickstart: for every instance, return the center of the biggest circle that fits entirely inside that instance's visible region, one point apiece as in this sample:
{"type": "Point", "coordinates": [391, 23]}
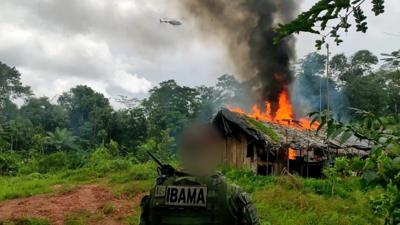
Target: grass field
{"type": "Point", "coordinates": [279, 200]}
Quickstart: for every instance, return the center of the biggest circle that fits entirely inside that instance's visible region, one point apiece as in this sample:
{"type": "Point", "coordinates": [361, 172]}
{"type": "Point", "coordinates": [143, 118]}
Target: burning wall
{"type": "Point", "coordinates": [249, 145]}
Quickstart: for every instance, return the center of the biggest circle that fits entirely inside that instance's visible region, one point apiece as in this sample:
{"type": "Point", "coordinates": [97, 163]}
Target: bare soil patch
{"type": "Point", "coordinates": [55, 207]}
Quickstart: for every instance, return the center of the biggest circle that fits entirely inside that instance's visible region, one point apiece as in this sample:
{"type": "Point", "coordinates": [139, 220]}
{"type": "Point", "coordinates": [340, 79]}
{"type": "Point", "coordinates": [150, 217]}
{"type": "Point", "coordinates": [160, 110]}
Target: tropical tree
{"type": "Point", "coordinates": [43, 114]}
{"type": "Point", "coordinates": [20, 132]}
{"type": "Point", "coordinates": [89, 113]}
{"type": "Point", "coordinates": [10, 88]}
{"type": "Point", "coordinates": [10, 85]}
{"type": "Point", "coordinates": [210, 100]}
{"type": "Point", "coordinates": [392, 59]}
{"type": "Point", "coordinates": [62, 139]}
{"type": "Point", "coordinates": [170, 107]}
{"type": "Point", "coordinates": [328, 18]}
{"type": "Point", "coordinates": [129, 127]}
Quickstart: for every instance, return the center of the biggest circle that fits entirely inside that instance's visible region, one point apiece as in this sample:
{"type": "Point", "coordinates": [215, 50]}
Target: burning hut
{"type": "Point", "coordinates": [270, 147]}
{"type": "Point", "coordinates": [270, 137]}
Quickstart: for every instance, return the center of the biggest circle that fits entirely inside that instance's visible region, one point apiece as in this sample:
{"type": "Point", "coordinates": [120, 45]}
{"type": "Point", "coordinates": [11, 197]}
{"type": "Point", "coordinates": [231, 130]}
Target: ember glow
{"type": "Point", "coordinates": [292, 154]}
{"type": "Point", "coordinates": [284, 114]}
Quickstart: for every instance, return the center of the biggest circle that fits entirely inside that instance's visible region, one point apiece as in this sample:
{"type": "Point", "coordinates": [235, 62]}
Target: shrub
{"type": "Point", "coordinates": [46, 163]}
{"type": "Point", "coordinates": [99, 155]}
{"type": "Point", "coordinates": [9, 163]}
{"type": "Point", "coordinates": [102, 161]}
{"type": "Point", "coordinates": [77, 159]}
{"type": "Point", "coordinates": [53, 162]}
{"type": "Point", "coordinates": [119, 164]}
{"type": "Point", "coordinates": [29, 166]}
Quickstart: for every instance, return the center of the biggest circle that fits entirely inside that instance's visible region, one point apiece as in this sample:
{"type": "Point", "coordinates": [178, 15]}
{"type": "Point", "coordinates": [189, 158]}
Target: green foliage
{"type": "Point", "coordinates": [129, 128]}
{"type": "Point", "coordinates": [279, 200]}
{"type": "Point", "coordinates": [317, 19]}
{"type": "Point", "coordinates": [62, 139]}
{"type": "Point", "coordinates": [89, 112]}
{"type": "Point", "coordinates": [295, 200]}
{"type": "Point", "coordinates": [148, 145]}
{"type": "Point", "coordinates": [392, 59]}
{"type": "Point", "coordinates": [270, 132]}
{"type": "Point", "coordinates": [170, 107]}
{"type": "Point", "coordinates": [11, 86]}
{"type": "Point", "coordinates": [9, 163]}
{"type": "Point", "coordinates": [335, 173]}
{"type": "Point", "coordinates": [282, 206]}
{"type": "Point", "coordinates": [53, 162]}
{"type": "Point", "coordinates": [20, 132]}
{"type": "Point", "coordinates": [382, 167]}
{"type": "Point", "coordinates": [44, 115]}
{"type": "Point", "coordinates": [45, 163]}
{"type": "Point", "coordinates": [103, 161]}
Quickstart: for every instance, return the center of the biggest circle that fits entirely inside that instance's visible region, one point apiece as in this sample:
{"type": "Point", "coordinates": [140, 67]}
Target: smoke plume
{"type": "Point", "coordinates": [247, 28]}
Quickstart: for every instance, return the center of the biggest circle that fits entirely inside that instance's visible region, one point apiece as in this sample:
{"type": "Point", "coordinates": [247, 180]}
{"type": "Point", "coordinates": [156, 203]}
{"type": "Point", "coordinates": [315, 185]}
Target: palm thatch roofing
{"type": "Point", "coordinates": [271, 136]}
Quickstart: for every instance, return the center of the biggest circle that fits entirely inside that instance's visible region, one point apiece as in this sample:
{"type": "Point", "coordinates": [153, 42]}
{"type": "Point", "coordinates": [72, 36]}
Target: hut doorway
{"type": "Point", "coordinates": [264, 170]}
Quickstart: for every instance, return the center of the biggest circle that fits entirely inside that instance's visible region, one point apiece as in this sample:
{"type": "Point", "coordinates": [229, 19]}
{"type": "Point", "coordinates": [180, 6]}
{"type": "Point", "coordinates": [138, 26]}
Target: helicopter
{"type": "Point", "coordinates": [171, 21]}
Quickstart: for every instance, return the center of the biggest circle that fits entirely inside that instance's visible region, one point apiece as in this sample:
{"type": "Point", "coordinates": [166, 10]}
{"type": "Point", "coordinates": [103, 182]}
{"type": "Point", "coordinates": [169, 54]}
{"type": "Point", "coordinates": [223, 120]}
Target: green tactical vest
{"type": "Point", "coordinates": [191, 200]}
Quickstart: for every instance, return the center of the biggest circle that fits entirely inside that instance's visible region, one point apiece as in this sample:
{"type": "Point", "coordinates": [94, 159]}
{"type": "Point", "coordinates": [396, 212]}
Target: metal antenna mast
{"type": "Point", "coordinates": [327, 93]}
{"type": "Point", "coordinates": [327, 78]}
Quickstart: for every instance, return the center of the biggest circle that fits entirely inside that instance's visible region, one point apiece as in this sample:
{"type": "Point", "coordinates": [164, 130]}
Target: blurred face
{"type": "Point", "coordinates": [200, 149]}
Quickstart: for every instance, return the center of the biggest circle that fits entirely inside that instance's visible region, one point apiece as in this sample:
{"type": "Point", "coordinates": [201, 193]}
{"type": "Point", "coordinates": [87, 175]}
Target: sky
{"type": "Point", "coordinates": [120, 47]}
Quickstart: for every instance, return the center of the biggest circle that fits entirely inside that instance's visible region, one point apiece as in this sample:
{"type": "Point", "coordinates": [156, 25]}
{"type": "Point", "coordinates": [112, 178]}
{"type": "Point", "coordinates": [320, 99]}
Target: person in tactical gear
{"type": "Point", "coordinates": [198, 195]}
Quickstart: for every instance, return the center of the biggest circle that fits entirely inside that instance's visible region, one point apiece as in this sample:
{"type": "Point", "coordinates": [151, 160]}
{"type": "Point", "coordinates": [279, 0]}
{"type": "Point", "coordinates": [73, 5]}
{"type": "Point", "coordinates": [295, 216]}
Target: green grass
{"type": "Point", "coordinates": [108, 208]}
{"type": "Point", "coordinates": [279, 200]}
{"type": "Point", "coordinates": [269, 131]}
{"type": "Point", "coordinates": [279, 205]}
{"type": "Point", "coordinates": [33, 184]}
{"type": "Point", "coordinates": [26, 221]}
{"type": "Point", "coordinates": [121, 181]}
{"type": "Point", "coordinates": [82, 217]}
{"type": "Point", "coordinates": [297, 200]}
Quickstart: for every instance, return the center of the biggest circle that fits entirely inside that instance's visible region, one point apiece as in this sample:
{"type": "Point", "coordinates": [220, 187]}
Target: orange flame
{"type": "Point", "coordinates": [292, 154]}
{"type": "Point", "coordinates": [284, 114]}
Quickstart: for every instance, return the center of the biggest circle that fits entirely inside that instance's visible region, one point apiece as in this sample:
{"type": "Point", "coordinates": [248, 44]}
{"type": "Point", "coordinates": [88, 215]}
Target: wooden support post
{"type": "Point", "coordinates": [267, 161]}
{"type": "Point", "coordinates": [308, 155]}
{"type": "Point", "coordinates": [287, 151]}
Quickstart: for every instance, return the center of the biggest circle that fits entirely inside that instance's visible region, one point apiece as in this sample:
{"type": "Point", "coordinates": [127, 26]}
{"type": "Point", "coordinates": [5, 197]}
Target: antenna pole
{"type": "Point", "coordinates": [327, 78]}
{"type": "Point", "coordinates": [327, 95]}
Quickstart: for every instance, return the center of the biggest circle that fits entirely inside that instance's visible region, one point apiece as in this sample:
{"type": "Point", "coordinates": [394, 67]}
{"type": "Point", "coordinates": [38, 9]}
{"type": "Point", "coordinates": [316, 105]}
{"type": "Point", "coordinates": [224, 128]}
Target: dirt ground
{"type": "Point", "coordinates": [92, 199]}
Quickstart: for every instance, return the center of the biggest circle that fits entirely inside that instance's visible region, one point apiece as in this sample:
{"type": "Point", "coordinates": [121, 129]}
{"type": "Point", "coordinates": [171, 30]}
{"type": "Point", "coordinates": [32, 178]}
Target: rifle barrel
{"type": "Point", "coordinates": [155, 159]}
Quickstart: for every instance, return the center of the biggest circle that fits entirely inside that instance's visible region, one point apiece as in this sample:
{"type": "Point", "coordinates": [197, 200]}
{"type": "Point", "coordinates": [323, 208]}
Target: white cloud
{"type": "Point", "coordinates": [119, 47]}
{"type": "Point", "coordinates": [130, 82]}
{"type": "Point", "coordinates": [115, 47]}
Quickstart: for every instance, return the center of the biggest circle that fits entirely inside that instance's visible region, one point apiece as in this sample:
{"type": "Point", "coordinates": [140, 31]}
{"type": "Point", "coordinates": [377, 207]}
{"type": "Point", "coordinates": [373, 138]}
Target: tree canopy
{"type": "Point", "coordinates": [333, 16]}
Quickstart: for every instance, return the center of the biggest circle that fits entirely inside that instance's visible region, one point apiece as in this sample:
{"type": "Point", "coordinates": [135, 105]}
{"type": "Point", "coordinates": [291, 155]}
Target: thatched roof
{"type": "Point", "coordinates": [231, 124]}
{"type": "Point", "coordinates": [270, 136]}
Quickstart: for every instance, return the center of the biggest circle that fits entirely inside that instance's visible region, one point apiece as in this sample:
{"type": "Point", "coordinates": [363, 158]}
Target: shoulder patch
{"type": "Point", "coordinates": [159, 191]}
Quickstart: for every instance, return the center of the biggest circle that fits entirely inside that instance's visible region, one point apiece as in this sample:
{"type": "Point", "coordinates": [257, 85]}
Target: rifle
{"type": "Point", "coordinates": [165, 170]}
